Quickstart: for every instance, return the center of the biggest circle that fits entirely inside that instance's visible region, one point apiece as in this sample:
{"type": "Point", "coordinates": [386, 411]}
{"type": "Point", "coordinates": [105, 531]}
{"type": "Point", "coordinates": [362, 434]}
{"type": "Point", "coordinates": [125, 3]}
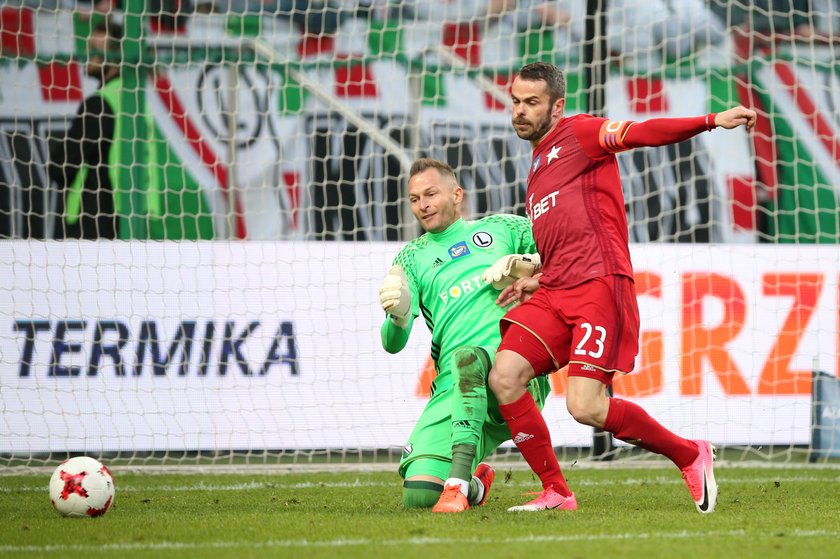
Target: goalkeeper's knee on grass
{"type": "Point", "coordinates": [421, 494]}
{"type": "Point", "coordinates": [424, 482]}
{"type": "Point", "coordinates": [425, 494]}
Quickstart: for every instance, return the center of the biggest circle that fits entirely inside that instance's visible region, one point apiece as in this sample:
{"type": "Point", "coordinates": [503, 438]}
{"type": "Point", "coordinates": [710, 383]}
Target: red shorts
{"type": "Point", "coordinates": [593, 327]}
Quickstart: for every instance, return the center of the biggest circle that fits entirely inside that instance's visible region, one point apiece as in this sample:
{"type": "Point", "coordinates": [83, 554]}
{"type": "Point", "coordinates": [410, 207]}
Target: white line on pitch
{"type": "Point", "coordinates": [166, 545]}
{"type": "Point", "coordinates": [253, 485]}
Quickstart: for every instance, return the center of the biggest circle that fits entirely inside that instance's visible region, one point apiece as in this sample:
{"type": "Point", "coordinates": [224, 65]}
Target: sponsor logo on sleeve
{"type": "Point", "coordinates": [458, 250]}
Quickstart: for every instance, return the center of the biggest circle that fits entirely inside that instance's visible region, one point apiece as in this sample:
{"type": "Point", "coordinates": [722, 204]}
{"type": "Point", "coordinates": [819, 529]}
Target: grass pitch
{"type": "Point", "coordinates": [633, 512]}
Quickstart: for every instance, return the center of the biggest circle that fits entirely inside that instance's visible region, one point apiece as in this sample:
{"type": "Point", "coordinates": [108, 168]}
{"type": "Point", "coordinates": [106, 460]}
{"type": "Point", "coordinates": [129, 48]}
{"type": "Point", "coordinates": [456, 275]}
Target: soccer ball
{"type": "Point", "coordinates": [82, 486]}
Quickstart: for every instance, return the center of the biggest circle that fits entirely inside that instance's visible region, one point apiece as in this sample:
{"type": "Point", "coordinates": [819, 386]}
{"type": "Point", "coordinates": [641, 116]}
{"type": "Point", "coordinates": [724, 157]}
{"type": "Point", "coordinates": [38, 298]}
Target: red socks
{"type": "Point", "coordinates": [626, 420]}
{"type": "Point", "coordinates": [632, 424]}
{"type": "Point", "coordinates": [530, 435]}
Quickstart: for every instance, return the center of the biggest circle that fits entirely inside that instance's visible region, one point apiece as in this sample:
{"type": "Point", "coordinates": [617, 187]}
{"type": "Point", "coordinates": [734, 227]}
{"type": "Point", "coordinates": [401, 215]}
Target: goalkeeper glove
{"type": "Point", "coordinates": [395, 297]}
{"type": "Point", "coordinates": [510, 268]}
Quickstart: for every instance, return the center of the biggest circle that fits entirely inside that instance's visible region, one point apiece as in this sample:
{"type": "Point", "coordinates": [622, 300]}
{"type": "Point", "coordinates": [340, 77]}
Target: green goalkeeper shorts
{"type": "Point", "coordinates": [431, 439]}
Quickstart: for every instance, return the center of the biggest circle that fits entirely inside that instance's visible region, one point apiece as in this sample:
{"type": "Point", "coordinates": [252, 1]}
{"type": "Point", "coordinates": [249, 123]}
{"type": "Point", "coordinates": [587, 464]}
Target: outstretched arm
{"type": "Point", "coordinates": [664, 131]}
{"type": "Point", "coordinates": [614, 136]}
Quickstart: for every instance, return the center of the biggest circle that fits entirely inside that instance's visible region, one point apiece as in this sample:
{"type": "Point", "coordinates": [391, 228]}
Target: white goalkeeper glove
{"type": "Point", "coordinates": [510, 268]}
{"type": "Point", "coordinates": [395, 297]}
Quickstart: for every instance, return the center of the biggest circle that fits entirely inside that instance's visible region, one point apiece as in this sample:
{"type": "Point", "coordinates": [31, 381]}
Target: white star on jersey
{"type": "Point", "coordinates": [553, 154]}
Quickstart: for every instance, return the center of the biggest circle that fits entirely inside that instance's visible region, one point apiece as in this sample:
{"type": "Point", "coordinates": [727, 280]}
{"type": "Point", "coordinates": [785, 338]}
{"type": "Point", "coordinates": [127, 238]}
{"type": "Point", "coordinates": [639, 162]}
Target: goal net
{"type": "Point", "coordinates": [199, 199]}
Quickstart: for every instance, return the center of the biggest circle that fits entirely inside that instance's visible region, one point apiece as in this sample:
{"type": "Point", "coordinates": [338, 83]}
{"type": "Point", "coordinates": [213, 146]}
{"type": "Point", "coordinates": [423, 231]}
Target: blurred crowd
{"type": "Point", "coordinates": [668, 29]}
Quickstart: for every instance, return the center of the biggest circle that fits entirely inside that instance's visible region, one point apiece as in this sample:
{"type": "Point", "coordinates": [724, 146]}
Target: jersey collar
{"type": "Point", "coordinates": [548, 138]}
{"type": "Point", "coordinates": [454, 230]}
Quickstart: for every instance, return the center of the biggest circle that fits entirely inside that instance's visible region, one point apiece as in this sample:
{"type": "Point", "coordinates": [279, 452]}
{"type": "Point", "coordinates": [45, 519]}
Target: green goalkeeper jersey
{"type": "Point", "coordinates": [444, 276]}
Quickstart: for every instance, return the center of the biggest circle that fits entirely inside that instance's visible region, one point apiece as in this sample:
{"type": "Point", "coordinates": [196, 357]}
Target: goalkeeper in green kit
{"type": "Point", "coordinates": [452, 275]}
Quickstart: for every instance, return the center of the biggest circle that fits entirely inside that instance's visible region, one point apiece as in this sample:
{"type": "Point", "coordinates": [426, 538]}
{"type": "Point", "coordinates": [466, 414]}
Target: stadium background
{"type": "Point", "coordinates": [286, 152]}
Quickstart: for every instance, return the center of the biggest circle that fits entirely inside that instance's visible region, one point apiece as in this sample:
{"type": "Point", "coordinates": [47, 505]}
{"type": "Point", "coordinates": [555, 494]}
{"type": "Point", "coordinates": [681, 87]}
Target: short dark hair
{"type": "Point", "coordinates": [426, 163]}
{"type": "Point", "coordinates": [550, 74]}
{"type": "Point", "coordinates": [114, 34]}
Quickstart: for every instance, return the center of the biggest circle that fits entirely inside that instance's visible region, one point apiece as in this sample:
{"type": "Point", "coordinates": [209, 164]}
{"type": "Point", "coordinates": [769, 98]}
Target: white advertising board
{"type": "Point", "coordinates": [93, 338]}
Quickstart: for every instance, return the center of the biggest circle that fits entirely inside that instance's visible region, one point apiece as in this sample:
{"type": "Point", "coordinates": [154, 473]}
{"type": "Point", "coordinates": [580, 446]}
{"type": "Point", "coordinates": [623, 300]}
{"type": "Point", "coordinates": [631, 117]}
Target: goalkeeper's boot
{"type": "Point", "coordinates": [700, 478]}
{"type": "Point", "coordinates": [451, 500]}
{"type": "Point", "coordinates": [548, 499]}
{"type": "Point", "coordinates": [485, 475]}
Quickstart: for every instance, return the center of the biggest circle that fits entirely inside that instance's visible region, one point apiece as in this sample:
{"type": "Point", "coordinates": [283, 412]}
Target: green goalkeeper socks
{"type": "Point", "coordinates": [462, 460]}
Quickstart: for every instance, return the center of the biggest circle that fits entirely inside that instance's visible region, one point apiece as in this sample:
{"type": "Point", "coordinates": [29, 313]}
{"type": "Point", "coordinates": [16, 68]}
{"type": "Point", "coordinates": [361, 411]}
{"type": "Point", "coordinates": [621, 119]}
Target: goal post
{"type": "Point", "coordinates": [261, 197]}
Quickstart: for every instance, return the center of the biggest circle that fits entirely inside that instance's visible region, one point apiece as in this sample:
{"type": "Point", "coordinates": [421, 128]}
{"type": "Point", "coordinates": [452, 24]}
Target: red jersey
{"type": "Point", "coordinates": [574, 196]}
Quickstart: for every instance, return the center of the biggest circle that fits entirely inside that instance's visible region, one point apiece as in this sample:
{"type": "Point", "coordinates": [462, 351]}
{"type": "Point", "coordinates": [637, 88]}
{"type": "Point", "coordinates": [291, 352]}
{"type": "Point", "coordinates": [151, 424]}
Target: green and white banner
{"type": "Point", "coordinates": [805, 121]}
{"type": "Point", "coordinates": [243, 151]}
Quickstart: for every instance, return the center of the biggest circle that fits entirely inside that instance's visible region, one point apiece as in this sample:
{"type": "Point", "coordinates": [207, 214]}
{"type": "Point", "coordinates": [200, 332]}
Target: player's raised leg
{"type": "Point", "coordinates": [700, 478]}
{"type": "Point", "coordinates": [595, 361]}
{"type": "Point", "coordinates": [589, 404]}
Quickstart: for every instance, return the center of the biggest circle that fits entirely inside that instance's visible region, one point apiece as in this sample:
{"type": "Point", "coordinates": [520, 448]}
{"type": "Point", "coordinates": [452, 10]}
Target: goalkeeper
{"type": "Point", "coordinates": [444, 275]}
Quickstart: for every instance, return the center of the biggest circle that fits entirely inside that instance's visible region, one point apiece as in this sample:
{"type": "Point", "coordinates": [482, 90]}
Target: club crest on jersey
{"type": "Point", "coordinates": [553, 154]}
{"type": "Point", "coordinates": [482, 239]}
{"type": "Point", "coordinates": [458, 250]}
{"type": "Point", "coordinates": [536, 164]}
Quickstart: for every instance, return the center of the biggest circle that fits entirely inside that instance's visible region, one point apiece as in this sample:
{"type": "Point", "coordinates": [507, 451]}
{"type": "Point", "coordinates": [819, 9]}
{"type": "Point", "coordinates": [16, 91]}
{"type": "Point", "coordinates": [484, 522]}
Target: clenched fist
{"type": "Point", "coordinates": [395, 297]}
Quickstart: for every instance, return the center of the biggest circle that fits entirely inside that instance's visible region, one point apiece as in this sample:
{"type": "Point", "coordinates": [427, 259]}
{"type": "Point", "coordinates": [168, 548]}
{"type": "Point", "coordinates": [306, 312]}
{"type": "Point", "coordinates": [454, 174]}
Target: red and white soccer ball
{"type": "Point", "coordinates": [82, 486]}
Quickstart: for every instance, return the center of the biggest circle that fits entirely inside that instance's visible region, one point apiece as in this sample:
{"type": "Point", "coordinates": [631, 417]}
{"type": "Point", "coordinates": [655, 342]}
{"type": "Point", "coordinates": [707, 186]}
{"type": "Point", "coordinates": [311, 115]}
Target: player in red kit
{"type": "Point", "coordinates": [584, 313]}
